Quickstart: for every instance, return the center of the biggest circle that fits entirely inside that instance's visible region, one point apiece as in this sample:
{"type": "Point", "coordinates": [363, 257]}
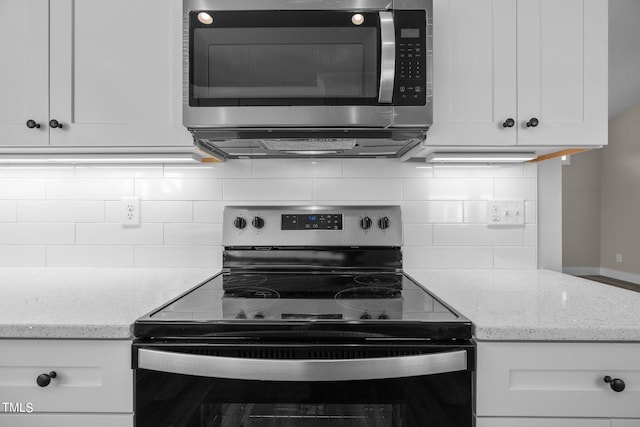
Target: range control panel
{"type": "Point", "coordinates": [411, 58]}
{"type": "Point", "coordinates": [312, 222]}
{"type": "Point", "coordinates": [273, 226]}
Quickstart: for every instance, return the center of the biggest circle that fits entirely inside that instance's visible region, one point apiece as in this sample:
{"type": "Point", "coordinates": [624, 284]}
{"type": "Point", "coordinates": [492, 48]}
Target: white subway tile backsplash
{"type": "Point", "coordinates": [192, 234]}
{"type": "Point", "coordinates": [208, 211]}
{"type": "Point", "coordinates": [70, 215]}
{"type": "Point", "coordinates": [477, 235]}
{"type": "Point", "coordinates": [89, 188]}
{"type": "Point", "coordinates": [36, 233]}
{"type": "Point", "coordinates": [296, 168]}
{"type": "Point", "coordinates": [448, 189]}
{"type": "Point", "coordinates": [390, 168]}
{"type": "Point", "coordinates": [530, 212]}
{"type": "Point", "coordinates": [479, 171]}
{"type": "Point", "coordinates": [531, 170]}
{"type": "Point", "coordinates": [116, 234]}
{"type": "Point", "coordinates": [267, 189]}
{"type": "Point", "coordinates": [418, 234]}
{"type": "Point", "coordinates": [448, 257]}
{"type": "Point", "coordinates": [40, 171]}
{"type": "Point", "coordinates": [357, 189]}
{"type": "Point", "coordinates": [179, 189]}
{"type": "Point", "coordinates": [8, 211]}
{"type": "Point", "coordinates": [530, 235]}
{"type": "Point", "coordinates": [515, 257]}
{"type": "Point", "coordinates": [515, 189]}
{"type": "Point", "coordinates": [166, 211]}
{"type": "Point", "coordinates": [237, 168]}
{"type": "Point", "coordinates": [22, 255]}
{"type": "Point", "coordinates": [22, 188]}
{"type": "Point", "coordinates": [178, 256]}
{"type": "Point", "coordinates": [89, 256]}
{"type": "Point", "coordinates": [475, 212]}
{"type": "Point", "coordinates": [432, 212]}
{"type": "Point", "coordinates": [119, 171]}
{"type": "Point", "coordinates": [60, 211]}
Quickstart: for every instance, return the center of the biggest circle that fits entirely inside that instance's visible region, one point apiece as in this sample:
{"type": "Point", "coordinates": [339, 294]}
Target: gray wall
{"type": "Point", "coordinates": [620, 226]}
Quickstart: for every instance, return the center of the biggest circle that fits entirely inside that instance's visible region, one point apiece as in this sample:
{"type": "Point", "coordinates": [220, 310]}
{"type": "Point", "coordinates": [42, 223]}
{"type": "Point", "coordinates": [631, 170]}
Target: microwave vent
{"type": "Point", "coordinates": [314, 144]}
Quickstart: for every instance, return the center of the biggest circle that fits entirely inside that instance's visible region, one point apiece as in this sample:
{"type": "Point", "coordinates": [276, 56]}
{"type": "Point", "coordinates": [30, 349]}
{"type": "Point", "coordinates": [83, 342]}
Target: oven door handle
{"type": "Point", "coordinates": [307, 370]}
{"type": "Point", "coordinates": [387, 57]}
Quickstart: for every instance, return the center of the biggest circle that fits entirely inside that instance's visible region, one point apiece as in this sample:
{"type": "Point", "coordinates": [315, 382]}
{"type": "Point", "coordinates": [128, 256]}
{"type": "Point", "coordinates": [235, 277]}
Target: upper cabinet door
{"type": "Point", "coordinates": [474, 73]}
{"type": "Point", "coordinates": [562, 72]}
{"type": "Point", "coordinates": [116, 73]}
{"type": "Point", "coordinates": [24, 74]}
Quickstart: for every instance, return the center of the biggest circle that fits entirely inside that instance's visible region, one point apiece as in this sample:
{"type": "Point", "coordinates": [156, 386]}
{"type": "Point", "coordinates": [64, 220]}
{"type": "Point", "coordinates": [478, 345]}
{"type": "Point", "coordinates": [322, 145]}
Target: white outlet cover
{"type": "Point", "coordinates": [505, 212]}
{"type": "Point", "coordinates": [130, 211]}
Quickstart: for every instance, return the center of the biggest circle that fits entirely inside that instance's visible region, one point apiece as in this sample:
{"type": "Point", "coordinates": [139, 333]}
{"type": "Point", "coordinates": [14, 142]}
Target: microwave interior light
{"type": "Point", "coordinates": [461, 157]}
{"type": "Point", "coordinates": [357, 19]}
{"type": "Point", "coordinates": [205, 18]}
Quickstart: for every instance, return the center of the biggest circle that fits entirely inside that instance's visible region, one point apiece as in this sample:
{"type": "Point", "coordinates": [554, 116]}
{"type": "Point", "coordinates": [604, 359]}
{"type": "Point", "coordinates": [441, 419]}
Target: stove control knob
{"type": "Point", "coordinates": [383, 222]}
{"type": "Point", "coordinates": [259, 315]}
{"type": "Point", "coordinates": [239, 223]}
{"type": "Point", "coordinates": [257, 222]}
{"type": "Point", "coordinates": [241, 315]}
{"type": "Point", "coordinates": [365, 223]}
{"type": "Point", "coordinates": [365, 316]}
{"type": "Point", "coordinates": [383, 316]}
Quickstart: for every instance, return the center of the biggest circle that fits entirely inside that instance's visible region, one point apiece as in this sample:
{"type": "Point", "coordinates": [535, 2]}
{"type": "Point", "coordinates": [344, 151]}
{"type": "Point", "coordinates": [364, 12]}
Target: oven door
{"type": "Point", "coordinates": [190, 387]}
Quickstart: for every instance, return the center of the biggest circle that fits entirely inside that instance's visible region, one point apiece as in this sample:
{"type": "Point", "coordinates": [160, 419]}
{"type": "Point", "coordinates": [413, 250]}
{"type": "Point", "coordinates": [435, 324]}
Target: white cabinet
{"type": "Point", "coordinates": [497, 60]}
{"type": "Point", "coordinates": [93, 381]}
{"type": "Point", "coordinates": [109, 72]}
{"type": "Point", "coordinates": [24, 74]}
{"type": "Point", "coordinates": [561, 381]}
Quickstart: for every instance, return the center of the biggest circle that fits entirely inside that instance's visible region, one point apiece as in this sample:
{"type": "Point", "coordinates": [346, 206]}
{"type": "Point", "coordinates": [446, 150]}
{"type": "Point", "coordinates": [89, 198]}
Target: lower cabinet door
{"type": "Point", "coordinates": [66, 420]}
{"type": "Point", "coordinates": [544, 422]}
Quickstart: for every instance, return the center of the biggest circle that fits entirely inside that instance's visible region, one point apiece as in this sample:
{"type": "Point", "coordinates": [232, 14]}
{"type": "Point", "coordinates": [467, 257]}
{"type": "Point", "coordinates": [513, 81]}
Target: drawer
{"type": "Point", "coordinates": [66, 420]}
{"type": "Point", "coordinates": [92, 375]}
{"type": "Point", "coordinates": [541, 422]}
{"type": "Point", "coordinates": [557, 379]}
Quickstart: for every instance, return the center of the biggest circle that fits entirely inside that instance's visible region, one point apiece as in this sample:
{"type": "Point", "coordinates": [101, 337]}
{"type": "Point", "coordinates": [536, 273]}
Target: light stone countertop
{"type": "Point", "coordinates": [97, 303]}
{"type": "Point", "coordinates": [523, 305]}
{"type": "Point", "coordinates": [103, 303]}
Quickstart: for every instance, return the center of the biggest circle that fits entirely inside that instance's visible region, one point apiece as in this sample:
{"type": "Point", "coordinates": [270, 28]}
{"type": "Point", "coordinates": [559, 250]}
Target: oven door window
{"type": "Point", "coordinates": [283, 58]}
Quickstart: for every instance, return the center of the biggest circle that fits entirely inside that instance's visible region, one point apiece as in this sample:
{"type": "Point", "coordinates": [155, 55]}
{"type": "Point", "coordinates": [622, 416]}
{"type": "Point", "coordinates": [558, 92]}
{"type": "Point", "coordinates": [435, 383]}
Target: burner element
{"type": "Point", "coordinates": [368, 292]}
{"type": "Point", "coordinates": [378, 280]}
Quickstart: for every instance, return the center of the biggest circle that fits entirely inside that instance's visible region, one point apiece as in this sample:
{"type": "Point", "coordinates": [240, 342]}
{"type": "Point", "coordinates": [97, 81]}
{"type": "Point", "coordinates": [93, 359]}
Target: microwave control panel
{"type": "Point", "coordinates": [411, 58]}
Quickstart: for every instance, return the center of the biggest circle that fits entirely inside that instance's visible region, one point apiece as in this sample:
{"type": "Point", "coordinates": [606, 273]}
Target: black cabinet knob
{"type": "Point", "coordinates": [55, 124]}
{"type": "Point", "coordinates": [383, 223]}
{"type": "Point", "coordinates": [257, 222]}
{"type": "Point", "coordinates": [616, 384]}
{"type": "Point", "coordinates": [365, 223]}
{"type": "Point", "coordinates": [533, 122]}
{"type": "Point", "coordinates": [44, 380]}
{"type": "Point", "coordinates": [509, 123]}
{"type": "Point", "coordinates": [33, 124]}
{"type": "Point", "coordinates": [239, 223]}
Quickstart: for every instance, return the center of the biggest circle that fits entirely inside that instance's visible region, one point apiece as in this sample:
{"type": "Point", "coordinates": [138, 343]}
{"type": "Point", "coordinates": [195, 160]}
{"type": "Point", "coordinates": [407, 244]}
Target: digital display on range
{"type": "Point", "coordinates": [312, 222]}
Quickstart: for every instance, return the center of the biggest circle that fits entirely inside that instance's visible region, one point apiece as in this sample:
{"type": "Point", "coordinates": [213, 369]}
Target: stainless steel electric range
{"type": "Point", "coordinates": [311, 322]}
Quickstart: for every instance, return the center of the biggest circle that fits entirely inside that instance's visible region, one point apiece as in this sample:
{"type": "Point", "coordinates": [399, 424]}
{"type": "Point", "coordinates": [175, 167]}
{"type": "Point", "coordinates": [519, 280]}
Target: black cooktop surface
{"type": "Point", "coordinates": [306, 305]}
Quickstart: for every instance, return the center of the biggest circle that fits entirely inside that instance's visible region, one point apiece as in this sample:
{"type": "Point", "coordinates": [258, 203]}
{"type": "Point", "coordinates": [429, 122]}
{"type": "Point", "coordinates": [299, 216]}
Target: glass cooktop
{"type": "Point", "coordinates": [371, 304]}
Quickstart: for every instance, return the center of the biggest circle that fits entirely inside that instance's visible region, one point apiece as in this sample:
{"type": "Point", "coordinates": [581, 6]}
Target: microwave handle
{"type": "Point", "coordinates": [387, 57]}
{"type": "Point", "coordinates": [307, 370]}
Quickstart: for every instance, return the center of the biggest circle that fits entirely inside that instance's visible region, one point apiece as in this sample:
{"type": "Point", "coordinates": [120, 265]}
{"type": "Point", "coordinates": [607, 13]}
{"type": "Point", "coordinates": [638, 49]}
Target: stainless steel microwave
{"type": "Point", "coordinates": [313, 78]}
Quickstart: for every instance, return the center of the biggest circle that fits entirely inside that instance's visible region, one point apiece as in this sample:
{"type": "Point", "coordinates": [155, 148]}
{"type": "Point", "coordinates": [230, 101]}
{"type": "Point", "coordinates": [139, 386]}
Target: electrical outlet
{"type": "Point", "coordinates": [618, 257]}
{"type": "Point", "coordinates": [130, 211]}
{"type": "Point", "coordinates": [505, 212]}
